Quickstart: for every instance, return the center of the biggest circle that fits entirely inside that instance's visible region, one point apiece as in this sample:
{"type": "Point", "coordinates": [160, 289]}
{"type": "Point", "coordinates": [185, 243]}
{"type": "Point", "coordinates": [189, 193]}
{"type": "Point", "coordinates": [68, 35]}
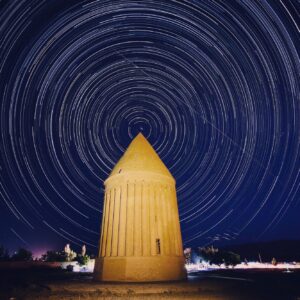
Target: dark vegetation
{"type": "Point", "coordinates": [52, 256]}
{"type": "Point", "coordinates": [213, 256]}
{"type": "Point", "coordinates": [20, 255]}
{"type": "Point", "coordinates": [24, 255]}
{"type": "Point", "coordinates": [272, 252]}
{"type": "Point", "coordinates": [4, 255]}
{"type": "Point", "coordinates": [219, 257]}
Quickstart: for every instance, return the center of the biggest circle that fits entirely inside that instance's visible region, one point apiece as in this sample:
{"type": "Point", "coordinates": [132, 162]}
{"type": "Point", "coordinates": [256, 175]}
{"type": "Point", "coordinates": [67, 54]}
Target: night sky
{"type": "Point", "coordinates": [213, 85]}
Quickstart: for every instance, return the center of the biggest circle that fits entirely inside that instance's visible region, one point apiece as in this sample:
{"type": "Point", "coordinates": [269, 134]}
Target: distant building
{"type": "Point", "coordinates": [141, 237]}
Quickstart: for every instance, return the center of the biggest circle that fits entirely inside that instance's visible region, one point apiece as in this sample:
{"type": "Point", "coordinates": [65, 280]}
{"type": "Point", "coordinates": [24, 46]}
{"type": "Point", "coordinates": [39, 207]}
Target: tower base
{"type": "Point", "coordinates": [140, 269]}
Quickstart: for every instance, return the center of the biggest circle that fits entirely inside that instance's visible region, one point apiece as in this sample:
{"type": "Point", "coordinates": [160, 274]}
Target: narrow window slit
{"type": "Point", "coordinates": [157, 246]}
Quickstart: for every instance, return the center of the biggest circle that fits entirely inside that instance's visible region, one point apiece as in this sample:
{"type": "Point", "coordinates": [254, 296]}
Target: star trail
{"type": "Point", "coordinates": [213, 85]}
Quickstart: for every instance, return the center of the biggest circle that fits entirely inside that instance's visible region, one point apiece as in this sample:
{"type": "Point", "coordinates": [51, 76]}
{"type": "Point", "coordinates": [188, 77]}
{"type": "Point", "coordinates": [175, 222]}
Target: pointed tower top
{"type": "Point", "coordinates": [140, 157]}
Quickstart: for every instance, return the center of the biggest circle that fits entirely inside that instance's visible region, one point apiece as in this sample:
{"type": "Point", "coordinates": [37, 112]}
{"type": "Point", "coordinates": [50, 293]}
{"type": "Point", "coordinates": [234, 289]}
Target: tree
{"type": "Point", "coordinates": [70, 254]}
{"type": "Point", "coordinates": [22, 255]}
{"type": "Point", "coordinates": [66, 255]}
{"type": "Point", "coordinates": [209, 253]}
{"type": "Point", "coordinates": [83, 260]}
{"type": "Point", "coordinates": [4, 256]}
{"type": "Point", "coordinates": [83, 250]}
{"type": "Point", "coordinates": [218, 257]}
{"type": "Point", "coordinates": [231, 258]}
{"type": "Point", "coordinates": [187, 255]}
{"type": "Point", "coordinates": [274, 261]}
{"type": "Point", "coordinates": [52, 256]}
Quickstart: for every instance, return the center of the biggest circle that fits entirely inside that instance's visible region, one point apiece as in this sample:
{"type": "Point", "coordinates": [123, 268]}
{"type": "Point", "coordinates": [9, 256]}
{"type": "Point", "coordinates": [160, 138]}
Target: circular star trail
{"type": "Point", "coordinates": [213, 85]}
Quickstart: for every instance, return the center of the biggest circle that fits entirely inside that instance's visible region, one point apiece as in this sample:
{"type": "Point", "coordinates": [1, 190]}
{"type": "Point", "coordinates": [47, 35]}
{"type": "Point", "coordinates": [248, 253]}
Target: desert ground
{"type": "Point", "coordinates": [226, 284]}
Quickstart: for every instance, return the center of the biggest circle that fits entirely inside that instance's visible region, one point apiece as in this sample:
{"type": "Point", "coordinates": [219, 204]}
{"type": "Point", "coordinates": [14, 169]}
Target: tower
{"type": "Point", "coordinates": [140, 236]}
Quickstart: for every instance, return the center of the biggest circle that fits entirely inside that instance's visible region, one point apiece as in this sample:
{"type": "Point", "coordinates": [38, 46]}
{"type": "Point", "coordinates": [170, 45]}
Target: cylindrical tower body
{"type": "Point", "coordinates": [140, 235]}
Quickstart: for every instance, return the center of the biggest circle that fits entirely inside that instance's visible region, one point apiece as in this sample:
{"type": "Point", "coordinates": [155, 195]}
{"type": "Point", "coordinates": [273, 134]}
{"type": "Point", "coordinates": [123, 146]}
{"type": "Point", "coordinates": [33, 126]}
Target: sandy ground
{"type": "Point", "coordinates": [228, 284]}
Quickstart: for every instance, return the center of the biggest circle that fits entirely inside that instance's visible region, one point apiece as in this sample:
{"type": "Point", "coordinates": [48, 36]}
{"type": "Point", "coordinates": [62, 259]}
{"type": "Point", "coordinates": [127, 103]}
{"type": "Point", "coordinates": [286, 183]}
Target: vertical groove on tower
{"type": "Point", "coordinates": [160, 247]}
{"type": "Point", "coordinates": [167, 225]}
{"type": "Point", "coordinates": [146, 220]}
{"type": "Point", "coordinates": [172, 221]}
{"type": "Point", "coordinates": [168, 220]}
{"type": "Point", "coordinates": [123, 221]}
{"type": "Point", "coordinates": [152, 219]}
{"type": "Point", "coordinates": [119, 220]}
{"type": "Point", "coordinates": [130, 216]}
{"type": "Point", "coordinates": [176, 217]}
{"type": "Point", "coordinates": [155, 225]}
{"type": "Point", "coordinates": [133, 218]}
{"type": "Point", "coordinates": [110, 222]}
{"type": "Point", "coordinates": [172, 203]}
{"type": "Point", "coordinates": [164, 221]}
{"type": "Point", "coordinates": [142, 214]}
{"type": "Point", "coordinates": [137, 220]}
{"type": "Point", "coordinates": [115, 233]}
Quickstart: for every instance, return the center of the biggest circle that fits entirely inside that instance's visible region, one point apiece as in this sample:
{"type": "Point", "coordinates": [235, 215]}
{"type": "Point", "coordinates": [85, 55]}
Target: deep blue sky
{"type": "Point", "coordinates": [213, 85]}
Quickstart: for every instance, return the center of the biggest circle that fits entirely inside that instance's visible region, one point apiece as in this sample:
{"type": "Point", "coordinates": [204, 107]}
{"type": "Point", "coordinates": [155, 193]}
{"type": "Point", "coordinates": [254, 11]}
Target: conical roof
{"type": "Point", "coordinates": [140, 156]}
